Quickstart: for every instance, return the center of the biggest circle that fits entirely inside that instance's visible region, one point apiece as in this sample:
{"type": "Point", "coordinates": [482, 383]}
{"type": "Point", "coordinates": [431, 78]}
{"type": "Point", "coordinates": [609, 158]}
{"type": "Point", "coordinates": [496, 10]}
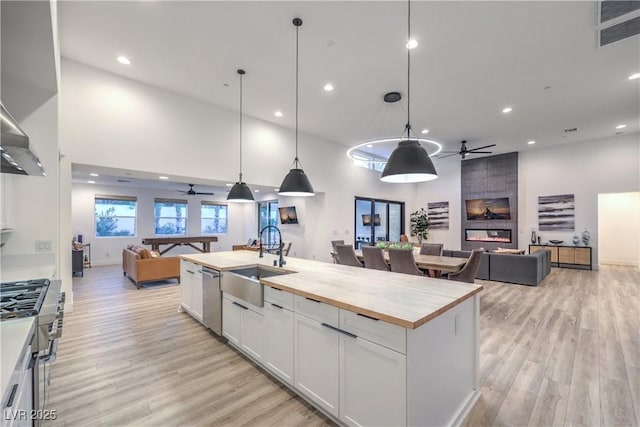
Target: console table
{"type": "Point", "coordinates": [567, 256]}
{"type": "Point", "coordinates": [155, 242]}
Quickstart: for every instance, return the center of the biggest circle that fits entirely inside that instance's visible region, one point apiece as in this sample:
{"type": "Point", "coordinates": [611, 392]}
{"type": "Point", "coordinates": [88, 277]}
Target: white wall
{"type": "Point", "coordinates": [108, 250]}
{"type": "Point", "coordinates": [107, 120]}
{"type": "Point", "coordinates": [619, 228]}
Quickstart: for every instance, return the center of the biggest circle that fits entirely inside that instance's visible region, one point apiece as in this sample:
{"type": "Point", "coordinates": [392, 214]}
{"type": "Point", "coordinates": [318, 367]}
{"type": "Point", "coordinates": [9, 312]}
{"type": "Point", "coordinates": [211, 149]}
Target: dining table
{"type": "Point", "coordinates": [430, 263]}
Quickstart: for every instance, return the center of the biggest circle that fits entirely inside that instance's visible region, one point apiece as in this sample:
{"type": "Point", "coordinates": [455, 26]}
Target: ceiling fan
{"type": "Point", "coordinates": [192, 192]}
{"type": "Point", "coordinates": [464, 151]}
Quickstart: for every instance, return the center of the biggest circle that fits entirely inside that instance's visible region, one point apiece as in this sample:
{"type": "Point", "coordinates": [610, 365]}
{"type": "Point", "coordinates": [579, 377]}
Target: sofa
{"type": "Point", "coordinates": [501, 267]}
{"type": "Point", "coordinates": [141, 265]}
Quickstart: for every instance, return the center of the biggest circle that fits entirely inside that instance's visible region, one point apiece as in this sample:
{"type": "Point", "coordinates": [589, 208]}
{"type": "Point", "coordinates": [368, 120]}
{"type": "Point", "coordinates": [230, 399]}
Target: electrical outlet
{"type": "Point", "coordinates": [335, 232]}
{"type": "Point", "coordinates": [43, 245]}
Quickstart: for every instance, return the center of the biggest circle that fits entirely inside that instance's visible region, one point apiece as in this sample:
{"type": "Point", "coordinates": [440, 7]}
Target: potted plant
{"type": "Point", "coordinates": [419, 224]}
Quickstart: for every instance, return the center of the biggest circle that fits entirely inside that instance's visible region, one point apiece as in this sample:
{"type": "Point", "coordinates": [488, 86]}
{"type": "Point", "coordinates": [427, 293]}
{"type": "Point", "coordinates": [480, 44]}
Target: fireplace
{"type": "Point", "coordinates": [487, 235]}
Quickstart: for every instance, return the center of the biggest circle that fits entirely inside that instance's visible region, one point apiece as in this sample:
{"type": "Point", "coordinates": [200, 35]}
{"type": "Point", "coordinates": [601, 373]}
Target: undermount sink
{"type": "Point", "coordinates": [244, 283]}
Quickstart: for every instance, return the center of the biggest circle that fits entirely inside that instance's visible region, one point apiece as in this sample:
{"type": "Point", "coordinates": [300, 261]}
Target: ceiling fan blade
{"type": "Point", "coordinates": [480, 148]}
{"type": "Point", "coordinates": [206, 194]}
{"type": "Point", "coordinates": [448, 155]}
{"type": "Point", "coordinates": [479, 152]}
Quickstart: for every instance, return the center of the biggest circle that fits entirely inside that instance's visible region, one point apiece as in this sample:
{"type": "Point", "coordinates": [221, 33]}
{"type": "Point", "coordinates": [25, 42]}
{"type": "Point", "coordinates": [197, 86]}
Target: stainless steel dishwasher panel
{"type": "Point", "coordinates": [212, 304]}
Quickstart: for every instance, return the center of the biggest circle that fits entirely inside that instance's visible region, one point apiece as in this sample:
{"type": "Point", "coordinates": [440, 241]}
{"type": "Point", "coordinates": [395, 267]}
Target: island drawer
{"type": "Point", "coordinates": [317, 310]}
{"type": "Point", "coordinates": [377, 331]}
{"type": "Point", "coordinates": [279, 297]}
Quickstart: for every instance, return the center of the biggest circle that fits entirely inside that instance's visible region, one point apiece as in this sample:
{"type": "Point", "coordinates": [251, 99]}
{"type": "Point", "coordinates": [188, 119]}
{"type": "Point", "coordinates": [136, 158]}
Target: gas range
{"type": "Point", "coordinates": [22, 298]}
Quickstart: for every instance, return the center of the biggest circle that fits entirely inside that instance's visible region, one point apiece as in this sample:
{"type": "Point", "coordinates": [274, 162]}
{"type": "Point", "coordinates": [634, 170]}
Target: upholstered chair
{"type": "Point", "coordinates": [470, 270]}
{"type": "Point", "coordinates": [374, 258]}
{"type": "Point", "coordinates": [336, 242]}
{"type": "Point", "coordinates": [347, 256]}
{"type": "Point", "coordinates": [402, 261]}
{"type": "Point", "coordinates": [431, 249]}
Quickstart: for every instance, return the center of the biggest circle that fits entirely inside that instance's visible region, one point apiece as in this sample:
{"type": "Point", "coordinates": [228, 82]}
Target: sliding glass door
{"type": "Point", "coordinates": [377, 221]}
{"type": "Point", "coordinates": [268, 215]}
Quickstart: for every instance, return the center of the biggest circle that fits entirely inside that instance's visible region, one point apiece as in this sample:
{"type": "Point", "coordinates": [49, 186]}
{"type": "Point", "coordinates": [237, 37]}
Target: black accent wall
{"type": "Point", "coordinates": [486, 178]}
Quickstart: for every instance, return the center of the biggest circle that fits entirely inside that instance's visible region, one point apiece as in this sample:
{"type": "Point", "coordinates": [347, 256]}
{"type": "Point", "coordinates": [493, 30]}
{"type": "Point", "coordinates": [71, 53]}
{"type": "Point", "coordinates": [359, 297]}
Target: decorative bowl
{"type": "Point", "coordinates": [556, 242]}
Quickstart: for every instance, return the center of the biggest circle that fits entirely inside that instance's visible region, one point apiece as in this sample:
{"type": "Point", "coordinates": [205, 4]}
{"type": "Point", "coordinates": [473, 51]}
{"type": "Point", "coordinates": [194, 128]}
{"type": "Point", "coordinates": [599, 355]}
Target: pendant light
{"type": "Point", "coordinates": [240, 192]}
{"type": "Point", "coordinates": [409, 162]}
{"type": "Point", "coordinates": [296, 183]}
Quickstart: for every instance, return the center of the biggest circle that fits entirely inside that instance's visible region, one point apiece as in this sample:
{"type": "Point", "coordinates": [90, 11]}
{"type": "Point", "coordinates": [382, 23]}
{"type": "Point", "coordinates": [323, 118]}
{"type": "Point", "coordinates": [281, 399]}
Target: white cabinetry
{"type": "Point", "coordinates": [278, 353]}
{"type": "Point", "coordinates": [191, 289]}
{"type": "Point", "coordinates": [243, 325]}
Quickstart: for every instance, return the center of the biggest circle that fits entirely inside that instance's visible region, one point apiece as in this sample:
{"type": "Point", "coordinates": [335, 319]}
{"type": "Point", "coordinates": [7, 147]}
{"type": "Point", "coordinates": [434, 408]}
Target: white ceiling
{"type": "Point", "coordinates": [474, 58]}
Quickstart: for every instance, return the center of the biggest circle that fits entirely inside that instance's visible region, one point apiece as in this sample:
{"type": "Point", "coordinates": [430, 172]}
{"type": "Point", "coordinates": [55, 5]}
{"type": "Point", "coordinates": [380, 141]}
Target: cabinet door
{"type": "Point", "coordinates": [252, 333]}
{"type": "Point", "coordinates": [316, 363]}
{"type": "Point", "coordinates": [231, 321]}
{"type": "Point", "coordinates": [197, 298]}
{"type": "Point", "coordinates": [582, 256]}
{"type": "Point", "coordinates": [278, 352]}
{"type": "Point", "coordinates": [186, 288]}
{"type": "Point", "coordinates": [372, 384]}
{"type": "Point", "coordinates": [565, 255]}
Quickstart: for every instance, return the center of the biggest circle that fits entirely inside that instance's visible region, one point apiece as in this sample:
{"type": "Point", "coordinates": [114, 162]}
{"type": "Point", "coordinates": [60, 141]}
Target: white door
{"type": "Point", "coordinates": [316, 362]}
{"type": "Point", "coordinates": [279, 344]}
{"type": "Point", "coordinates": [372, 384]}
{"type": "Point", "coordinates": [252, 333]}
{"type": "Point", "coordinates": [231, 321]}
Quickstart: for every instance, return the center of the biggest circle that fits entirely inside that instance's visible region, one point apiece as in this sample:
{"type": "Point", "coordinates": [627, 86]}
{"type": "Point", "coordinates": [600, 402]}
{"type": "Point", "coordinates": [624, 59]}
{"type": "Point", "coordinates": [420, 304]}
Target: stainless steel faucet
{"type": "Point", "coordinates": [281, 260]}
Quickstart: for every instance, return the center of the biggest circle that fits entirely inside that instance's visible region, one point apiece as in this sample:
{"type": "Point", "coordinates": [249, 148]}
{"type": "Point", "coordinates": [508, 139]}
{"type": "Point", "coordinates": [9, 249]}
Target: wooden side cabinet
{"type": "Point", "coordinates": [567, 256]}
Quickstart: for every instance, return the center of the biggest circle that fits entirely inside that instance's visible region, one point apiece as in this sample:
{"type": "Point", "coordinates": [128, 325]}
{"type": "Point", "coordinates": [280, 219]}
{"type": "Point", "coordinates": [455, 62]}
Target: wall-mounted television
{"type": "Point", "coordinates": [288, 215]}
{"type": "Point", "coordinates": [488, 209]}
{"type": "Point", "coordinates": [366, 219]}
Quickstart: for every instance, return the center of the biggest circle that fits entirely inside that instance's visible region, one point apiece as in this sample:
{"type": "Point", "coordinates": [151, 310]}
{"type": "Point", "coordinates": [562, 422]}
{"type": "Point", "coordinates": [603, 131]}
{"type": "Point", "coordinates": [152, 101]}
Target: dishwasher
{"type": "Point", "coordinates": [212, 304]}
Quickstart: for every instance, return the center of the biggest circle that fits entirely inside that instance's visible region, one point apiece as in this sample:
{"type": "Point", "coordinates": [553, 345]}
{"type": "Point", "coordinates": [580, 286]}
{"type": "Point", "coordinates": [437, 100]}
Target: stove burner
{"type": "Point", "coordinates": [22, 299]}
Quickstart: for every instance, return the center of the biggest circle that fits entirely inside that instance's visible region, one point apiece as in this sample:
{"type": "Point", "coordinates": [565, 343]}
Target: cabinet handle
{"type": "Point", "coordinates": [276, 289]}
{"type": "Point", "coordinates": [277, 306]}
{"type": "Point", "coordinates": [189, 271]}
{"type": "Point", "coordinates": [240, 305]}
{"type": "Point", "coordinates": [314, 300]}
{"type": "Point", "coordinates": [12, 395]}
{"type": "Point", "coordinates": [368, 317]}
{"type": "Point", "coordinates": [326, 325]}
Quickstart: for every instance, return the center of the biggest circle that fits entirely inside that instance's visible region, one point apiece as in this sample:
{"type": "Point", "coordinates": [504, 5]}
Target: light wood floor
{"type": "Point", "coordinates": [564, 353]}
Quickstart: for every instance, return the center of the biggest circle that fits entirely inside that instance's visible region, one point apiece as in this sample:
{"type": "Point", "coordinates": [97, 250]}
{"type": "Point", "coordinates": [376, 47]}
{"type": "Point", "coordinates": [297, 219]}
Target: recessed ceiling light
{"type": "Point", "coordinates": [328, 87]}
{"type": "Point", "coordinates": [91, 182]}
{"type": "Point", "coordinates": [424, 131]}
{"type": "Point", "coordinates": [411, 44]}
{"type": "Point", "coordinates": [369, 145]}
{"type": "Point", "coordinates": [531, 142]}
{"type": "Point", "coordinates": [278, 113]}
{"type": "Point", "coordinates": [621, 126]}
{"type": "Point", "coordinates": [163, 177]}
{"type": "Point", "coordinates": [256, 191]}
{"type": "Point", "coordinates": [123, 60]}
{"type": "Point", "coordinates": [229, 185]}
{"type": "Point", "coordinates": [94, 174]}
{"type": "Point", "coordinates": [276, 189]}
{"type": "Point", "coordinates": [507, 110]}
{"type": "Point", "coordinates": [634, 76]}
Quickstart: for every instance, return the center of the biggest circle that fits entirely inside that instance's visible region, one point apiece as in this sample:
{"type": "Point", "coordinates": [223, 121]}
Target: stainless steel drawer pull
{"type": "Point", "coordinates": [240, 305]}
{"type": "Point", "coordinates": [189, 271]}
{"type": "Point", "coordinates": [276, 289]}
{"type": "Point", "coordinates": [339, 330]}
{"type": "Point", "coordinates": [368, 317]}
{"type": "Point", "coordinates": [12, 396]}
{"type": "Point", "coordinates": [277, 306]}
{"type": "Point", "coordinates": [314, 300]}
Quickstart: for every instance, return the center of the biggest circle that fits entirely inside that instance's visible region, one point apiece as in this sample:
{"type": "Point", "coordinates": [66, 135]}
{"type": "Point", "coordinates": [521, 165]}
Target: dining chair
{"type": "Point", "coordinates": [470, 270]}
{"type": "Point", "coordinates": [374, 258]}
{"type": "Point", "coordinates": [431, 249]}
{"type": "Point", "coordinates": [347, 256]}
{"type": "Point", "coordinates": [336, 242]}
{"type": "Point", "coordinates": [404, 238]}
{"type": "Point", "coordinates": [286, 249]}
{"type": "Point", "coordinates": [402, 261]}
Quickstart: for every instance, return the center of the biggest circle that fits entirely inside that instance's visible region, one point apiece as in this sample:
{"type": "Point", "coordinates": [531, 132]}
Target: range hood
{"type": "Point", "coordinates": [15, 155]}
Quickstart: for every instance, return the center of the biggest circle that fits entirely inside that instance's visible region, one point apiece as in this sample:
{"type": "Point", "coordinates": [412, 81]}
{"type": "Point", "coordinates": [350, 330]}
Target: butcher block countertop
{"type": "Point", "coordinates": [401, 299]}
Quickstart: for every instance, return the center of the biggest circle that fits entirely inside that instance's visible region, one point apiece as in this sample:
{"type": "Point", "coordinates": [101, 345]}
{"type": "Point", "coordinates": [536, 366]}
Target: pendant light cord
{"type": "Point", "coordinates": [408, 69]}
{"type": "Point", "coordinates": [241, 73]}
{"type": "Point", "coordinates": [297, 31]}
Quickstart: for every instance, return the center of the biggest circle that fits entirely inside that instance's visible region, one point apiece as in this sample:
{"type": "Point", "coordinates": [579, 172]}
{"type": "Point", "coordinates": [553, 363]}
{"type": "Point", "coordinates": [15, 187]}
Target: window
{"type": "Point", "coordinates": [170, 216]}
{"type": "Point", "coordinates": [115, 216]}
{"type": "Point", "coordinates": [369, 161]}
{"type": "Point", "coordinates": [378, 221]}
{"type": "Point", "coordinates": [268, 215]}
{"type": "Point", "coordinates": [213, 218]}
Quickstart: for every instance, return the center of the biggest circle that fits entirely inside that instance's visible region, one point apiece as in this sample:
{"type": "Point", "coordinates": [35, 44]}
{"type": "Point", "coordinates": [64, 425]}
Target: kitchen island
{"type": "Point", "coordinates": [366, 347]}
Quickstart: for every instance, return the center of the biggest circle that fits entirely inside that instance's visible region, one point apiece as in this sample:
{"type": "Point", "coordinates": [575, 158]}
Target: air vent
{"type": "Point", "coordinates": [618, 20]}
{"type": "Point", "coordinates": [570, 130]}
{"type": "Point", "coordinates": [123, 180]}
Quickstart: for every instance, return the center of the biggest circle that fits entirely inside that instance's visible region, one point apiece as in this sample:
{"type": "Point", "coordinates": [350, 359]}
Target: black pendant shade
{"type": "Point", "coordinates": [409, 163]}
{"type": "Point", "coordinates": [296, 184]}
{"type": "Point", "coordinates": [240, 192]}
